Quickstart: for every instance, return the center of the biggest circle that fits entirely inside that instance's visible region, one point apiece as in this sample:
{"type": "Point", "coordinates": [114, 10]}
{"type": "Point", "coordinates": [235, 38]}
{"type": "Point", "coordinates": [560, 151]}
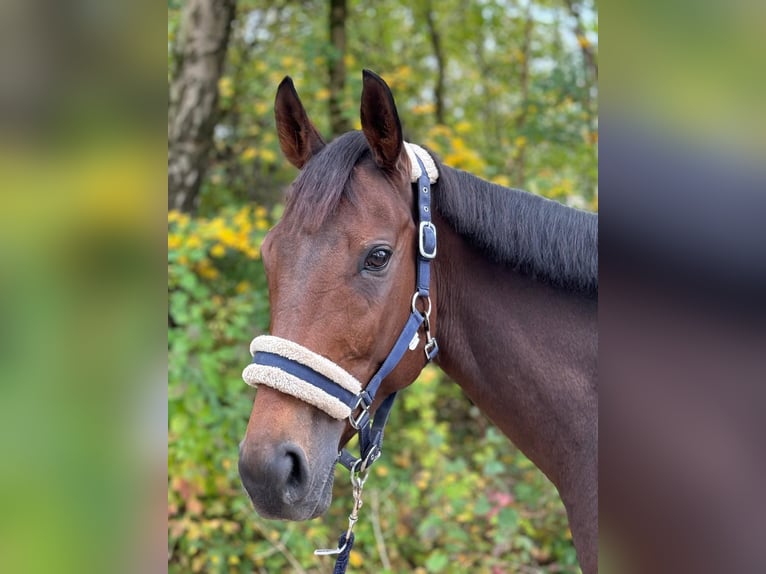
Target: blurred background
{"type": "Point", "coordinates": [505, 90]}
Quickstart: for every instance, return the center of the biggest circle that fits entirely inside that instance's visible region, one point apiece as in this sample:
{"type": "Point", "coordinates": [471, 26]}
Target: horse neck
{"type": "Point", "coordinates": [523, 352]}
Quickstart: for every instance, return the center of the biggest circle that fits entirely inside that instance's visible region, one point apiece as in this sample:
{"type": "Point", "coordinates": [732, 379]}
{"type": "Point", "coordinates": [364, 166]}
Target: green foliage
{"type": "Point", "coordinates": [450, 495]}
{"type": "Point", "coordinates": [524, 106]}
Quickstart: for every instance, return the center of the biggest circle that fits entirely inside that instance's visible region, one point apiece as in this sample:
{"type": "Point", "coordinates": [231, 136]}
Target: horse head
{"type": "Point", "coordinates": [341, 269]}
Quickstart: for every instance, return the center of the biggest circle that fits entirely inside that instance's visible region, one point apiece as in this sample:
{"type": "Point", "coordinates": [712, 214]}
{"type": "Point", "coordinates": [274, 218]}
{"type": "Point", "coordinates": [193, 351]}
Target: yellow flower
{"type": "Point", "coordinates": [424, 109]}
{"type": "Point", "coordinates": [434, 145]}
{"type": "Point", "coordinates": [355, 559]}
{"type": "Point", "coordinates": [193, 242]}
{"type": "Point", "coordinates": [249, 154]}
{"type": "Point", "coordinates": [179, 218]}
{"type": "Point", "coordinates": [193, 532]}
{"type": "Point", "coordinates": [458, 144]}
{"type": "Point", "coordinates": [206, 270]}
{"type": "Point", "coordinates": [174, 241]}
{"type": "Point", "coordinates": [242, 217]}
{"type": "Point", "coordinates": [440, 130]}
{"type": "Point", "coordinates": [242, 286]}
{"type": "Point", "coordinates": [463, 127]}
{"type": "Point", "coordinates": [225, 87]}
{"type": "Point", "coordinates": [183, 260]}
{"type": "Point", "coordinates": [323, 94]}
{"type": "Point", "coordinates": [228, 237]}
{"type": "Point", "coordinates": [260, 211]}
{"type": "Point", "coordinates": [233, 559]}
{"type": "Point", "coordinates": [218, 250]}
{"type": "Point", "coordinates": [261, 224]}
{"type": "Point", "coordinates": [268, 156]}
{"type": "Point", "coordinates": [502, 180]}
{"type": "Point", "coordinates": [520, 141]}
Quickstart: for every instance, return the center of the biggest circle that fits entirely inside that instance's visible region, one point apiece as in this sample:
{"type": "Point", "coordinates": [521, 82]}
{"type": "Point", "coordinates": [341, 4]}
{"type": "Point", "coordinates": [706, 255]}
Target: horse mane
{"type": "Point", "coordinates": [545, 239]}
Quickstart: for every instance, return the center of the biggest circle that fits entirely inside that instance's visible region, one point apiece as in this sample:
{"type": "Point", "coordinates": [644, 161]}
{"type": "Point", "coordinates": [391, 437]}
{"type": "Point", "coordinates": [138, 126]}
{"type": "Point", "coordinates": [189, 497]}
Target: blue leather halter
{"type": "Point", "coordinates": [371, 431]}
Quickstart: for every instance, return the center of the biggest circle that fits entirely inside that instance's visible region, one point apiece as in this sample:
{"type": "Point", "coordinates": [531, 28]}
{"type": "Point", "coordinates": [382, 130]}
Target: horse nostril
{"type": "Point", "coordinates": [282, 475]}
{"type": "Point", "coordinates": [294, 469]}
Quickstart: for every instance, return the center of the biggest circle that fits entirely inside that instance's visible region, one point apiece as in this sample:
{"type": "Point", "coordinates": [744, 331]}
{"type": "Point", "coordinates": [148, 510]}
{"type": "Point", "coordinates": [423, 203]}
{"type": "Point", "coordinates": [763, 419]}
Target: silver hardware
{"type": "Point", "coordinates": [430, 344]}
{"type": "Point", "coordinates": [356, 422]}
{"type": "Point", "coordinates": [358, 478]}
{"type": "Point", "coordinates": [421, 229]}
{"type": "Point", "coordinates": [329, 551]}
{"type": "Point", "coordinates": [415, 309]}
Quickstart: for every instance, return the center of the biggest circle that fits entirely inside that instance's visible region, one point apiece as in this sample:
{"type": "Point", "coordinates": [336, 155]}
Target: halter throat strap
{"type": "Point", "coordinates": [297, 371]}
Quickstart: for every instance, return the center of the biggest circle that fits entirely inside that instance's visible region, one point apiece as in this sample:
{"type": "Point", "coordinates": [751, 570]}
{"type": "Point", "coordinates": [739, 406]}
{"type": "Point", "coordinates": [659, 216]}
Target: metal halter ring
{"type": "Point", "coordinates": [360, 471]}
{"type": "Point", "coordinates": [415, 309]}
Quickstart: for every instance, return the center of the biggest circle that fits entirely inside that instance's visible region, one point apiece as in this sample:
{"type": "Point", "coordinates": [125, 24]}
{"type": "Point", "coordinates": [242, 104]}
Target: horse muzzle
{"type": "Point", "coordinates": [280, 483]}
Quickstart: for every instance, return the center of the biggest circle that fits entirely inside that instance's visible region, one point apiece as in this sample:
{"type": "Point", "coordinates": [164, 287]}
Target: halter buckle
{"type": "Point", "coordinates": [364, 402]}
{"type": "Point", "coordinates": [427, 240]}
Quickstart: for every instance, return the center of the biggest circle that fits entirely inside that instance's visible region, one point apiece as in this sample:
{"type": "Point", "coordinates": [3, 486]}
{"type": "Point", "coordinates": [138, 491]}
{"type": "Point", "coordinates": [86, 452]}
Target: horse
{"type": "Point", "coordinates": [512, 297]}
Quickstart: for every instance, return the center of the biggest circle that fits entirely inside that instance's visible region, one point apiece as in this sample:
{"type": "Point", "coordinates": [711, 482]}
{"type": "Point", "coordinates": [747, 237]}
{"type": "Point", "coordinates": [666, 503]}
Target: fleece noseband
{"type": "Point", "coordinates": [297, 371]}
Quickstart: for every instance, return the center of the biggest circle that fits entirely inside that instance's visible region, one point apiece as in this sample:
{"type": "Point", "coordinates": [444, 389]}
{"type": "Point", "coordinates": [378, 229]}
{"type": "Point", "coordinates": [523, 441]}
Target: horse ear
{"type": "Point", "coordinates": [380, 122]}
{"type": "Point", "coordinates": [298, 137]}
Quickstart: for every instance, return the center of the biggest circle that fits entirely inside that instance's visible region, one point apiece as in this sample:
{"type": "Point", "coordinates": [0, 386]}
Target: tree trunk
{"type": "Point", "coordinates": [436, 44]}
{"type": "Point", "coordinates": [338, 12]}
{"type": "Point", "coordinates": [519, 164]}
{"type": "Point", "coordinates": [192, 108]}
{"type": "Point", "coordinates": [589, 56]}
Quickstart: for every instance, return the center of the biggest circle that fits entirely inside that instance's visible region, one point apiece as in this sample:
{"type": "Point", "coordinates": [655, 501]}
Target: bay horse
{"type": "Point", "coordinates": [513, 291]}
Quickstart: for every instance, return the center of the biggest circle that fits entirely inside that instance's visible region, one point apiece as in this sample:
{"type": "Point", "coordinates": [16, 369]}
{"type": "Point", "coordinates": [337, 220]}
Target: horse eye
{"type": "Point", "coordinates": [377, 259]}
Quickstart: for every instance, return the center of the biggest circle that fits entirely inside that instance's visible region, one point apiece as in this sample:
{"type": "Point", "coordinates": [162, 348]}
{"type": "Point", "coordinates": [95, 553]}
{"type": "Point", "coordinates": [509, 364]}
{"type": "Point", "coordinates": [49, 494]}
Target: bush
{"type": "Point", "coordinates": [450, 494]}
